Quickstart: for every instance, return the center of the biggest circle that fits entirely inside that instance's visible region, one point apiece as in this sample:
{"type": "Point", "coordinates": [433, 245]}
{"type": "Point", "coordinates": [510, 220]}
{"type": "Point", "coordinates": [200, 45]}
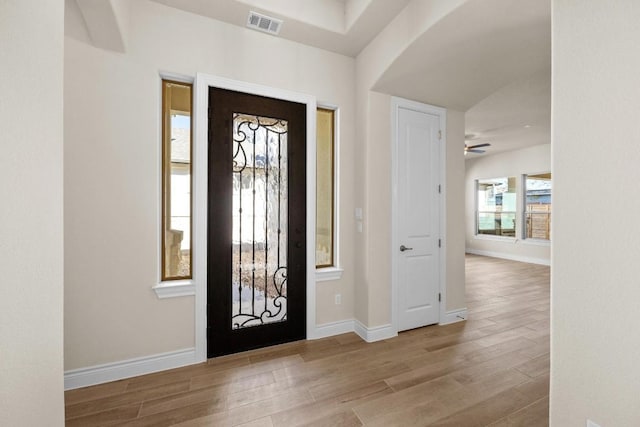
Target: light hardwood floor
{"type": "Point", "coordinates": [491, 370]}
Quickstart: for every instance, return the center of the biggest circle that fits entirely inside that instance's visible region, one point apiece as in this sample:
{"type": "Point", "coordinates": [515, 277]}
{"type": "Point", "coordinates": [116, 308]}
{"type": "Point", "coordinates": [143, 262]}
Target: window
{"type": "Point", "coordinates": [176, 180]}
{"type": "Point", "coordinates": [496, 207]}
{"type": "Point", "coordinates": [537, 215]}
{"type": "Point", "coordinates": [325, 185]}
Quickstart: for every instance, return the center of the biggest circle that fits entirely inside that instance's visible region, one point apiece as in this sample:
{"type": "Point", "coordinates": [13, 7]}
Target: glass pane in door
{"type": "Point", "coordinates": [259, 263]}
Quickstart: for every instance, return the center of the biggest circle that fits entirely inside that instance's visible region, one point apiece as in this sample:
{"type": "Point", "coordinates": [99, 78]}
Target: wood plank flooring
{"type": "Point", "coordinates": [492, 370]}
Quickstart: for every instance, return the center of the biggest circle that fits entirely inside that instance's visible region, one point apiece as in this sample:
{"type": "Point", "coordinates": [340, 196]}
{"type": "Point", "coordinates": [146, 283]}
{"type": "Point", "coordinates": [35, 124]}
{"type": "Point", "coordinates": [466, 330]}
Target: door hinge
{"type": "Point", "coordinates": [439, 189]}
{"type": "Point", "coordinates": [439, 134]}
{"type": "Point", "coordinates": [439, 297]}
{"type": "Point", "coordinates": [439, 243]}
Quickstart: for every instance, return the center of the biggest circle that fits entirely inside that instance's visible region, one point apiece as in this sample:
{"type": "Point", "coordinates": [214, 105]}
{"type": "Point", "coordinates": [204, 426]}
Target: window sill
{"type": "Point", "coordinates": [328, 273]}
{"type": "Point", "coordinates": [496, 238]}
{"type": "Point", "coordinates": [537, 242]}
{"type": "Point", "coordinates": [175, 288]}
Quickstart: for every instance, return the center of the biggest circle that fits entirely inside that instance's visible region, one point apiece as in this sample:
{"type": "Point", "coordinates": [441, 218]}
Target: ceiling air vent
{"type": "Point", "coordinates": [264, 23]}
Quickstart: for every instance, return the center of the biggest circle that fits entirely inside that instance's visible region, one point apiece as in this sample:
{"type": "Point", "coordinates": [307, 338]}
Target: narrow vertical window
{"type": "Point", "coordinates": [325, 185]}
{"type": "Point", "coordinates": [176, 180]}
{"type": "Point", "coordinates": [537, 217]}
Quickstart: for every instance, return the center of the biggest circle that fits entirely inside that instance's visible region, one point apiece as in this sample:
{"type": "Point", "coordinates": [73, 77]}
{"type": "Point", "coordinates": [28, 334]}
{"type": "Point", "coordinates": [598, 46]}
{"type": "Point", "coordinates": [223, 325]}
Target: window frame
{"type": "Point", "coordinates": [165, 208]}
{"type": "Point", "coordinates": [477, 212]}
{"type": "Point", "coordinates": [333, 271]}
{"type": "Point", "coordinates": [178, 286]}
{"type": "Point", "coordinates": [533, 240]}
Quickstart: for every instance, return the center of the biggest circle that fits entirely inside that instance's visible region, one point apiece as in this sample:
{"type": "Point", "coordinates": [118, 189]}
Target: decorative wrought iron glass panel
{"type": "Point", "coordinates": [259, 266]}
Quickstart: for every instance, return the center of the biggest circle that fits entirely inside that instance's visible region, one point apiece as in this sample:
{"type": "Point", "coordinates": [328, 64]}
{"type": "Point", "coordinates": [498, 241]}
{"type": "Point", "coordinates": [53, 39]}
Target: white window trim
{"type": "Point", "coordinates": [327, 274]}
{"type": "Point", "coordinates": [334, 272]}
{"type": "Point", "coordinates": [506, 239]}
{"type": "Point", "coordinates": [175, 288]}
{"type": "Point", "coordinates": [182, 287]}
{"type": "Point", "coordinates": [536, 242]}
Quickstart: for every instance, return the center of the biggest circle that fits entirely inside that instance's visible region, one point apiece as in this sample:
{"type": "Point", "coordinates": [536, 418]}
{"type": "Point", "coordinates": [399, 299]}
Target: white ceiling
{"type": "Point", "coordinates": [489, 58]}
{"type": "Point", "coordinates": [475, 50]}
{"type": "Point", "coordinates": [341, 26]}
{"type": "Point", "coordinates": [516, 116]}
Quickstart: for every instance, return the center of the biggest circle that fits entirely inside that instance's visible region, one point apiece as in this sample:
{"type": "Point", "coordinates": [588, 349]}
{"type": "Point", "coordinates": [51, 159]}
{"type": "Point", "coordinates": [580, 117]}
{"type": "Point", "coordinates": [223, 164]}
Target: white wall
{"type": "Point", "coordinates": [112, 171]}
{"type": "Point", "coordinates": [31, 42]}
{"type": "Point", "coordinates": [531, 160]}
{"type": "Point", "coordinates": [595, 322]}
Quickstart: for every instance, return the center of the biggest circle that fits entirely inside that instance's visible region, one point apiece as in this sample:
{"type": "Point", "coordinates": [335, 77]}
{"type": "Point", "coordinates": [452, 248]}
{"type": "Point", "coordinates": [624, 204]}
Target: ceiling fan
{"type": "Point", "coordinates": [474, 148]}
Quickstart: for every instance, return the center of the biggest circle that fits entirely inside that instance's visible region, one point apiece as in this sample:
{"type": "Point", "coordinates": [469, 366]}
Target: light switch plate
{"type": "Point", "coordinates": [358, 213]}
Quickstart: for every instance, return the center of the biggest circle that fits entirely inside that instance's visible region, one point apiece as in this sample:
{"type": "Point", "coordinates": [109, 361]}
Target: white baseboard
{"type": "Point", "coordinates": [128, 368]}
{"type": "Point", "coordinates": [333, 328]}
{"type": "Point", "coordinates": [377, 333]}
{"type": "Point", "coordinates": [512, 257]}
{"type": "Point", "coordinates": [115, 371]}
{"type": "Point", "coordinates": [454, 316]}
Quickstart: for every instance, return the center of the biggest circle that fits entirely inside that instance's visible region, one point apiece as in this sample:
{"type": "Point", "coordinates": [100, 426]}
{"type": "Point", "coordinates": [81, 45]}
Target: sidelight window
{"type": "Point", "coordinates": [325, 188]}
{"type": "Point", "coordinates": [176, 180]}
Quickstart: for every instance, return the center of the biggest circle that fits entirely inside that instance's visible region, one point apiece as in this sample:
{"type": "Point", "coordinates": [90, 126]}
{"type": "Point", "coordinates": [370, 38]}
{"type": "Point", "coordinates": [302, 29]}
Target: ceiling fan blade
{"type": "Point", "coordinates": [486, 144]}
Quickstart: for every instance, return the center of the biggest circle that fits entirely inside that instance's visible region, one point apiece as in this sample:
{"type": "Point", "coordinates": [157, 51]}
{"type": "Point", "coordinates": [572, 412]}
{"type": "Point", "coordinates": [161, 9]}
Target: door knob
{"type": "Point", "coordinates": [404, 248]}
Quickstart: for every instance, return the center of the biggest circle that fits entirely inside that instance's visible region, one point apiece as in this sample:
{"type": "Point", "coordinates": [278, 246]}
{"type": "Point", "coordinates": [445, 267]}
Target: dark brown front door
{"type": "Point", "coordinates": [256, 287]}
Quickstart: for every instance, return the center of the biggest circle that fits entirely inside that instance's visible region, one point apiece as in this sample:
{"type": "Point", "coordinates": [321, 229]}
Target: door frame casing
{"type": "Point", "coordinates": [200, 195]}
{"type": "Point", "coordinates": [396, 104]}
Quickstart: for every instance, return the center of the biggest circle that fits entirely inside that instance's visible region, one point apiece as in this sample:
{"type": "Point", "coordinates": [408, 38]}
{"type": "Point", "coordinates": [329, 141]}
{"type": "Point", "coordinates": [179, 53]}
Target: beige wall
{"type": "Point", "coordinates": [375, 189]}
{"type": "Point", "coordinates": [454, 245]}
{"type": "Point", "coordinates": [377, 210]}
{"type": "Point", "coordinates": [595, 338]}
{"type": "Point", "coordinates": [112, 172]}
{"type": "Point", "coordinates": [373, 170]}
{"type": "Point", "coordinates": [531, 160]}
{"type": "Point", "coordinates": [31, 42]}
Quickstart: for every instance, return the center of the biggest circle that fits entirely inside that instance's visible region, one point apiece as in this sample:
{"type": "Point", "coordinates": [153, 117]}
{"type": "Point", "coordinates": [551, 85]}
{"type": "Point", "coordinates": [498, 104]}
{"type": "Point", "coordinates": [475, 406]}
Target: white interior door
{"type": "Point", "coordinates": [418, 218]}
